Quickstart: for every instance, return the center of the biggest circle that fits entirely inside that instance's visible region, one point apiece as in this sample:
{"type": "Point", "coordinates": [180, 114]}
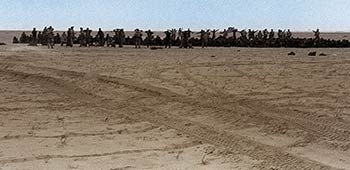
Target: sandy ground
{"type": "Point", "coordinates": [173, 109]}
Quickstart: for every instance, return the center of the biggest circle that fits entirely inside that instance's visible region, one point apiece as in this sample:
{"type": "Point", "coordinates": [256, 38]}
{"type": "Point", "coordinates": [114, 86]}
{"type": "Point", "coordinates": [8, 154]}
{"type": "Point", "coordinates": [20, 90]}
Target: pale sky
{"type": "Point", "coordinates": [298, 15]}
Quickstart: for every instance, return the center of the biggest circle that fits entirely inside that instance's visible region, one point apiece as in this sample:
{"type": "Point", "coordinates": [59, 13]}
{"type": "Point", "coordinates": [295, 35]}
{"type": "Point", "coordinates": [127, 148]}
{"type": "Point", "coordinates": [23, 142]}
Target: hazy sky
{"type": "Point", "coordinates": [298, 15]}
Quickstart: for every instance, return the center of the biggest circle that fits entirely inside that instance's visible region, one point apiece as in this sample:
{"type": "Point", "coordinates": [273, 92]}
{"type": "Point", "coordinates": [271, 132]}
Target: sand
{"type": "Point", "coordinates": [173, 109]}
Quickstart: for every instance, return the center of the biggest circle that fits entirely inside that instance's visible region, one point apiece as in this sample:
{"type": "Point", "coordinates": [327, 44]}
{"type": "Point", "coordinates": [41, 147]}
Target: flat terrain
{"type": "Point", "coordinates": [173, 109]}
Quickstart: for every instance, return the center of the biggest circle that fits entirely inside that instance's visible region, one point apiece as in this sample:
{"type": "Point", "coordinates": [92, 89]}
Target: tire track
{"type": "Point", "coordinates": [270, 155]}
{"type": "Point", "coordinates": [50, 157]}
{"type": "Point", "coordinates": [332, 129]}
{"type": "Point", "coordinates": [74, 134]}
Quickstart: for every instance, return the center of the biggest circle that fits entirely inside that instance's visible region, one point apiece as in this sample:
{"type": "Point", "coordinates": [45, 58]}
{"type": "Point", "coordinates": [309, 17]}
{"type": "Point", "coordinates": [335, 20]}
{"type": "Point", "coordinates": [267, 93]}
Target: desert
{"type": "Point", "coordinates": [215, 108]}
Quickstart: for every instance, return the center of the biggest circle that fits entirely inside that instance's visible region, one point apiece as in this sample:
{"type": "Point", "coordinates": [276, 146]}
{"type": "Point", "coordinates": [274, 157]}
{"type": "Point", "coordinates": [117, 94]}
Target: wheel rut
{"type": "Point", "coordinates": [332, 129]}
{"type": "Point", "coordinates": [271, 156]}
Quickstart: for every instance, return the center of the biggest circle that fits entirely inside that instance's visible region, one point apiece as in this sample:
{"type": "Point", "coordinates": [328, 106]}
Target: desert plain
{"type": "Point", "coordinates": [173, 109]}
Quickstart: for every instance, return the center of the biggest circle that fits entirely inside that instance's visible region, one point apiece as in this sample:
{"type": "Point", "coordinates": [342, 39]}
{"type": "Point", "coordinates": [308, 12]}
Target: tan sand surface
{"type": "Point", "coordinates": [173, 109]}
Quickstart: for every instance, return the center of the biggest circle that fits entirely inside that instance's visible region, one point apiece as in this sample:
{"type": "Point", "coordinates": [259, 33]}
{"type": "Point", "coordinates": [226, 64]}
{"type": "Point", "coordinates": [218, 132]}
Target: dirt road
{"type": "Point", "coordinates": [217, 108]}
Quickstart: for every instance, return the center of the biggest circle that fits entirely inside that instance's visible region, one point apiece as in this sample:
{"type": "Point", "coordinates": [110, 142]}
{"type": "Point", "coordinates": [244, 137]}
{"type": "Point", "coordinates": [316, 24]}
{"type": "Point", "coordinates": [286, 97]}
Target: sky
{"type": "Point", "coordinates": [297, 15]}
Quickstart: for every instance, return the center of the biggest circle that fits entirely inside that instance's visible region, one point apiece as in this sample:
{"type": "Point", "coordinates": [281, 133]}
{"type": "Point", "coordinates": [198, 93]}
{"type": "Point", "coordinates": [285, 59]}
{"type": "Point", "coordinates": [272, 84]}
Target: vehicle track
{"type": "Point", "coordinates": [50, 157]}
{"type": "Point", "coordinates": [75, 134]}
{"type": "Point", "coordinates": [333, 129]}
{"type": "Point", "coordinates": [271, 156]}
